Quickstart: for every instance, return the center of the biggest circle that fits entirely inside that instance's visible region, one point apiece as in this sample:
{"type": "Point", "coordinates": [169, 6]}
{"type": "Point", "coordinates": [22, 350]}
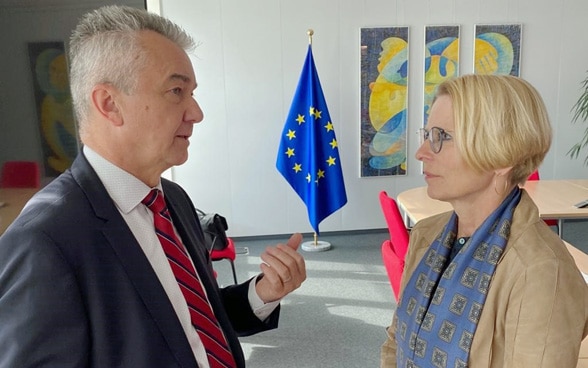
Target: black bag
{"type": "Point", "coordinates": [214, 227]}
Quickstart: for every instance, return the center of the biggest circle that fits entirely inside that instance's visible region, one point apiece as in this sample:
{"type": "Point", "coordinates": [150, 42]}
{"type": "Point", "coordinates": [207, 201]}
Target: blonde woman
{"type": "Point", "coordinates": [487, 284]}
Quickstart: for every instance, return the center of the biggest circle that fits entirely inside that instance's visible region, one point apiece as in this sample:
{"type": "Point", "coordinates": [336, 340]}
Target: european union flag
{"type": "Point", "coordinates": [308, 157]}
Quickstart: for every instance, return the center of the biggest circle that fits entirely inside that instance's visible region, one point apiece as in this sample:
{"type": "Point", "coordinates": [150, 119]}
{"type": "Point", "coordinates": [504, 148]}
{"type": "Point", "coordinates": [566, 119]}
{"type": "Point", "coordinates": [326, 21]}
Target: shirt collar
{"type": "Point", "coordinates": [125, 189]}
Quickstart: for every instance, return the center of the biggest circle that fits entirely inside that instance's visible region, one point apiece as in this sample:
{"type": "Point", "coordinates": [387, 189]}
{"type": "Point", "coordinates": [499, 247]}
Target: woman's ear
{"type": "Point", "coordinates": [105, 103]}
{"type": "Point", "coordinates": [503, 171]}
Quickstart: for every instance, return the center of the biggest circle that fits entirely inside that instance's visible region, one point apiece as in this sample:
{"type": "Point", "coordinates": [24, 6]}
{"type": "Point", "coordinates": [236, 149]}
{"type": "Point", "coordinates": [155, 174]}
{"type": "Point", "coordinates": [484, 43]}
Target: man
{"type": "Point", "coordinates": [85, 278]}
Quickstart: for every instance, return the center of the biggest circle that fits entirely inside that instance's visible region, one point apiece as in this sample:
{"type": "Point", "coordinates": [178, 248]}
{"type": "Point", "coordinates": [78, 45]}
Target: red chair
{"type": "Point", "coordinates": [535, 176]}
{"type": "Point", "coordinates": [394, 250]}
{"type": "Point", "coordinates": [20, 174]}
{"type": "Point", "coordinates": [394, 266]}
{"type": "Point", "coordinates": [227, 253]}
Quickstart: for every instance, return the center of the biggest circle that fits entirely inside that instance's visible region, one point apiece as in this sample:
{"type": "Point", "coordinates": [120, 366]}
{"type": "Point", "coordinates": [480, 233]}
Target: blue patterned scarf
{"type": "Point", "coordinates": [443, 299]}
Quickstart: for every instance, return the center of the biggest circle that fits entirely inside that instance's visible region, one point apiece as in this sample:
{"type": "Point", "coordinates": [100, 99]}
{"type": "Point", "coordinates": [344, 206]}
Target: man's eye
{"type": "Point", "coordinates": [176, 91]}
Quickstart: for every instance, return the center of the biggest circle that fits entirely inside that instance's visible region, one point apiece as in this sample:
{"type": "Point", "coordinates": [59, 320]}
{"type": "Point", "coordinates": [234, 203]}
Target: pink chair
{"type": "Point", "coordinates": [394, 266]}
{"type": "Point", "coordinates": [227, 253]}
{"type": "Point", "coordinates": [20, 174]}
{"type": "Point", "coordinates": [535, 176]}
{"type": "Point", "coordinates": [394, 250]}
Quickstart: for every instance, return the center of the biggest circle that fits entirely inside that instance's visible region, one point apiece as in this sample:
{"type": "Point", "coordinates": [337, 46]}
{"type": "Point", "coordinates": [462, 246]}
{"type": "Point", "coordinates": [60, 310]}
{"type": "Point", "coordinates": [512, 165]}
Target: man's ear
{"type": "Point", "coordinates": [105, 102]}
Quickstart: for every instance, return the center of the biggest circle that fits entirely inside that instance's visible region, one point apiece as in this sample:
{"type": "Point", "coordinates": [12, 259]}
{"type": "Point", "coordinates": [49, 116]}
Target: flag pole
{"type": "Point", "coordinates": [308, 157]}
{"type": "Point", "coordinates": [316, 245]}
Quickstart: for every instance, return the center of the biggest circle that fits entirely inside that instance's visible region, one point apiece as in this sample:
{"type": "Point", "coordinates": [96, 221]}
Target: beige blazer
{"type": "Point", "coordinates": [536, 312]}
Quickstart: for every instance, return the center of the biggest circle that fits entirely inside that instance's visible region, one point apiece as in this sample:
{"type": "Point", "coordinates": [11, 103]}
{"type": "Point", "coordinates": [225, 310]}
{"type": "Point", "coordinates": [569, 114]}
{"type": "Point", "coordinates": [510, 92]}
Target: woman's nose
{"type": "Point", "coordinates": [423, 150]}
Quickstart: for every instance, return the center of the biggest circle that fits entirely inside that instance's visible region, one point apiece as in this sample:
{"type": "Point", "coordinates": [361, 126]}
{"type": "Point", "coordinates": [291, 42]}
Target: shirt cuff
{"type": "Point", "coordinates": [260, 309]}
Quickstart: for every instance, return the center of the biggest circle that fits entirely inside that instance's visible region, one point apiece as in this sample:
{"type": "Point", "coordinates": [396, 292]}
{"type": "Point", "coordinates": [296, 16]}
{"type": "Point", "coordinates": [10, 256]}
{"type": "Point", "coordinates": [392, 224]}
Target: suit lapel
{"type": "Point", "coordinates": [133, 260]}
{"type": "Point", "coordinates": [185, 220]}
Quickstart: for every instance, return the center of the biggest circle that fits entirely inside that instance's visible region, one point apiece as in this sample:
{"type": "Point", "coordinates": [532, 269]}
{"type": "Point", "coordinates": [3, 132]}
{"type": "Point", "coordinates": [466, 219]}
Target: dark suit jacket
{"type": "Point", "coordinates": [76, 290]}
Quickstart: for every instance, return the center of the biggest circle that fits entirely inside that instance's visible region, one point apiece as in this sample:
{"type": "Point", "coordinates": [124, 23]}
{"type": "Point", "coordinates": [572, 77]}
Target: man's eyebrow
{"type": "Point", "coordinates": [181, 77]}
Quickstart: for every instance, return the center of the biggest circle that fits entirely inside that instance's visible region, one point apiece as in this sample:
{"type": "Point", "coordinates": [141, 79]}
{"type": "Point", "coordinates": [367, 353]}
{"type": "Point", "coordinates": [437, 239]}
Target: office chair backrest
{"type": "Point", "coordinates": [21, 174]}
{"type": "Point", "coordinates": [534, 175]}
{"type": "Point", "coordinates": [394, 267]}
{"type": "Point", "coordinates": [214, 227]}
{"type": "Point", "coordinates": [396, 226]}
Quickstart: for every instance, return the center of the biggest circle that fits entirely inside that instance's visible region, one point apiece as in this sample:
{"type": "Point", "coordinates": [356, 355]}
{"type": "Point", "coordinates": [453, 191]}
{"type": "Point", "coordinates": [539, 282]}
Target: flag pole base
{"type": "Point", "coordinates": [319, 246]}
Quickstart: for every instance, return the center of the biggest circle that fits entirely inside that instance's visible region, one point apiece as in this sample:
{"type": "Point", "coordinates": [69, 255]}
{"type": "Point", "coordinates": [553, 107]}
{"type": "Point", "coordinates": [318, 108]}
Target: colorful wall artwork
{"type": "Point", "coordinates": [441, 60]}
{"type": "Point", "coordinates": [54, 106]}
{"type": "Point", "coordinates": [384, 101]}
{"type": "Point", "coordinates": [497, 49]}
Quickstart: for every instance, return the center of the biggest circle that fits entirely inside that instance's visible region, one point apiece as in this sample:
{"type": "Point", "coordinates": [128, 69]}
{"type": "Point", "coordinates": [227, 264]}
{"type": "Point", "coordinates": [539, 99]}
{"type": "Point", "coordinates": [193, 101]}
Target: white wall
{"type": "Point", "coordinates": [249, 61]}
{"type": "Point", "coordinates": [248, 65]}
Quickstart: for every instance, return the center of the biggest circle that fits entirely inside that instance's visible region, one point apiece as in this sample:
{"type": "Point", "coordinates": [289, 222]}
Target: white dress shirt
{"type": "Point", "coordinates": [127, 192]}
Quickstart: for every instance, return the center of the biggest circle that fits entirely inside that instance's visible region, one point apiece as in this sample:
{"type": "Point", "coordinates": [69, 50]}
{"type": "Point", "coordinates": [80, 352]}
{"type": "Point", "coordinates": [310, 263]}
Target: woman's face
{"type": "Point", "coordinates": [448, 177]}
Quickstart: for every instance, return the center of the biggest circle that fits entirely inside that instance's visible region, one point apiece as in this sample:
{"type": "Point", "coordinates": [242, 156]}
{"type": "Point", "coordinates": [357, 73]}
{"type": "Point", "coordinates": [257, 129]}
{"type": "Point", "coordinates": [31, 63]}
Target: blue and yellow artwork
{"type": "Point", "coordinates": [497, 49]}
{"type": "Point", "coordinates": [441, 61]}
{"type": "Point", "coordinates": [384, 100]}
{"type": "Point", "coordinates": [54, 106]}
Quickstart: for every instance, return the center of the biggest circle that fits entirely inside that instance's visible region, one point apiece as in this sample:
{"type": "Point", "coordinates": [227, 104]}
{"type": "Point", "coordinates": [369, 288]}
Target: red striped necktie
{"type": "Point", "coordinates": [201, 312]}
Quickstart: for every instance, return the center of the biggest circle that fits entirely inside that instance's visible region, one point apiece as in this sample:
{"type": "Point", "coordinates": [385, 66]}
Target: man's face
{"type": "Point", "coordinates": [158, 116]}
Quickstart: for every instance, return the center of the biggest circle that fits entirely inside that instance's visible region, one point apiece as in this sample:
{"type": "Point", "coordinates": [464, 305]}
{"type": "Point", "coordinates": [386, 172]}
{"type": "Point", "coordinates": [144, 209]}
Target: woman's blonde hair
{"type": "Point", "coordinates": [500, 121]}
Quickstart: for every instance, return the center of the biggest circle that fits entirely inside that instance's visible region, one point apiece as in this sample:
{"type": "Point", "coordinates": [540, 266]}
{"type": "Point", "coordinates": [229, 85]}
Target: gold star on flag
{"type": "Point", "coordinates": [331, 161]}
{"type": "Point", "coordinates": [320, 174]}
{"type": "Point", "coordinates": [291, 134]}
{"type": "Point", "coordinates": [333, 143]}
{"type": "Point", "coordinates": [290, 152]}
{"type": "Point", "coordinates": [297, 167]}
{"type": "Point", "coordinates": [314, 112]}
{"type": "Point", "coordinates": [300, 119]}
{"type": "Point", "coordinates": [308, 177]}
{"type": "Point", "coordinates": [329, 126]}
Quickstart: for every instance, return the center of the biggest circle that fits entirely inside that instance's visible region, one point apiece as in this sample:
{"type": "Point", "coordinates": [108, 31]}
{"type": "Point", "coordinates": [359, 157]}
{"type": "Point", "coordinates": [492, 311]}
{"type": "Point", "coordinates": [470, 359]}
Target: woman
{"type": "Point", "coordinates": [488, 284]}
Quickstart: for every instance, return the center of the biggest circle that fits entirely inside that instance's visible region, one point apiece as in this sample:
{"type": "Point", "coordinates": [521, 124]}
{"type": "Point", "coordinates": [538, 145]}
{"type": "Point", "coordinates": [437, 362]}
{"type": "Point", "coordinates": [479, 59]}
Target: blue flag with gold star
{"type": "Point", "coordinates": [308, 157]}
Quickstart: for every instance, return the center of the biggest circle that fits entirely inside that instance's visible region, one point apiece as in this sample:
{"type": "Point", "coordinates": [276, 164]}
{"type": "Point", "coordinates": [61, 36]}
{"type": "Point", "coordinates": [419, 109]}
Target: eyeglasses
{"type": "Point", "coordinates": [435, 136]}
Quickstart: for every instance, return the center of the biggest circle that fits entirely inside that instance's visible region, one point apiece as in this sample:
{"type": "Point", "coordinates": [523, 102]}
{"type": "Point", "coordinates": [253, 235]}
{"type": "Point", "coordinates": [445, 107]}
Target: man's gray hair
{"type": "Point", "coordinates": [104, 48]}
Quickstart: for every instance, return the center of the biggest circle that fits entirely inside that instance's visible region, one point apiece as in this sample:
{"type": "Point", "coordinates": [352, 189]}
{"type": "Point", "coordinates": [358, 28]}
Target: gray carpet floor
{"type": "Point", "coordinates": [337, 318]}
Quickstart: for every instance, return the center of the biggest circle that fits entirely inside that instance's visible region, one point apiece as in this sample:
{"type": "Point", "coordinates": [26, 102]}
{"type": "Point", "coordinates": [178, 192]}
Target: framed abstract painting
{"type": "Point", "coordinates": [384, 101]}
{"type": "Point", "coordinates": [441, 61]}
{"type": "Point", "coordinates": [497, 49]}
{"type": "Point", "coordinates": [57, 126]}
